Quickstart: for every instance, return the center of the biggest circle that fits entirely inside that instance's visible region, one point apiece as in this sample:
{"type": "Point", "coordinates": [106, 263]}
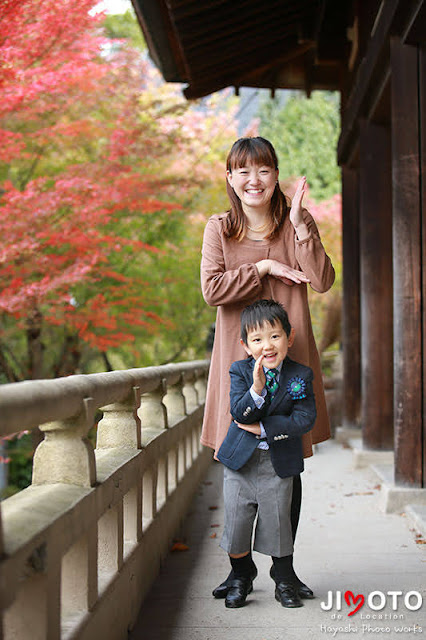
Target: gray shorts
{"type": "Point", "coordinates": [256, 490]}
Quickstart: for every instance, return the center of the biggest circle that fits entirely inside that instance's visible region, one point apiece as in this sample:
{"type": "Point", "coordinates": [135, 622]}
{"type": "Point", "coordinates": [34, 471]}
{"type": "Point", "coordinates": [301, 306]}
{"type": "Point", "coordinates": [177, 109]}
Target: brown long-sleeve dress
{"type": "Point", "coordinates": [230, 280]}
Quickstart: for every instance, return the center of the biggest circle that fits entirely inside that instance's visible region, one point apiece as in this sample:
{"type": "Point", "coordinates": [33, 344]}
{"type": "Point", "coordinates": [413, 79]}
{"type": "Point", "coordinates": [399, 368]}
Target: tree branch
{"type": "Point", "coordinates": [7, 368]}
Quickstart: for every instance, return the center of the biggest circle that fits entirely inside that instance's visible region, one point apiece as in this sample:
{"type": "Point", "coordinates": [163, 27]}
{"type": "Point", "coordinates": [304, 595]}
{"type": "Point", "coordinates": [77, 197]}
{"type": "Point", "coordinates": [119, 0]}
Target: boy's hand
{"type": "Point", "coordinates": [253, 428]}
{"type": "Point", "coordinates": [259, 379]}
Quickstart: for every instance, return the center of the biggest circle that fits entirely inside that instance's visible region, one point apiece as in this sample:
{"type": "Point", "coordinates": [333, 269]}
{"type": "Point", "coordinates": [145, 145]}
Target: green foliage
{"type": "Point", "coordinates": [20, 453]}
{"type": "Point", "coordinates": [124, 26]}
{"type": "Point", "coordinates": [304, 132]}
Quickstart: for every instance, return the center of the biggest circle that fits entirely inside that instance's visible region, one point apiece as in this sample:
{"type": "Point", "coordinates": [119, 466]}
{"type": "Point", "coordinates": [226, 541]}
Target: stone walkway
{"type": "Point", "coordinates": [344, 544]}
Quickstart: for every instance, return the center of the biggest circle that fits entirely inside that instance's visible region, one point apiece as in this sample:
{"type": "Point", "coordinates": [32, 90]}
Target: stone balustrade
{"type": "Point", "coordinates": [82, 545]}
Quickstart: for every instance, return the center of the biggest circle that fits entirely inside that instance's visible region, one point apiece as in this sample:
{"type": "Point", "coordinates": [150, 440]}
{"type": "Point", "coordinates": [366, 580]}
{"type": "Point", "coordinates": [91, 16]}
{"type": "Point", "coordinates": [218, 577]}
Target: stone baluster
{"type": "Point", "coordinates": [182, 461]}
{"type": "Point", "coordinates": [79, 588]}
{"type": "Point", "coordinates": [36, 603]}
{"type": "Point", "coordinates": [153, 412]}
{"type": "Point", "coordinates": [149, 497]}
{"type": "Point", "coordinates": [189, 450]}
{"type": "Point", "coordinates": [110, 541]}
{"type": "Point", "coordinates": [201, 384]}
{"type": "Point", "coordinates": [66, 455]}
{"type": "Point", "coordinates": [132, 516]}
{"type": "Point", "coordinates": [175, 401]}
{"type": "Point", "coordinates": [195, 435]}
{"type": "Point", "coordinates": [121, 425]}
{"type": "Point", "coordinates": [190, 391]}
{"type": "Point", "coordinates": [173, 471]}
{"type": "Point", "coordinates": [162, 482]}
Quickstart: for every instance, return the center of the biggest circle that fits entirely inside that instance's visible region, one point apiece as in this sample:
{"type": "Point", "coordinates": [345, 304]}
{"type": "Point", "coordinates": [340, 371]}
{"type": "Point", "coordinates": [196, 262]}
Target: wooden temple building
{"type": "Point", "coordinates": [373, 53]}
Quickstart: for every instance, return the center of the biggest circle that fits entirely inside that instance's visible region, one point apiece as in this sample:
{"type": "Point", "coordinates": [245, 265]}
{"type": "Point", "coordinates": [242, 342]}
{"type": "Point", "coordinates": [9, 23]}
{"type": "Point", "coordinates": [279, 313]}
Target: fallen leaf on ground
{"type": "Point", "coordinates": [213, 535]}
{"type": "Point", "coordinates": [215, 525]}
{"type": "Point", "coordinates": [212, 508]}
{"type": "Point", "coordinates": [179, 546]}
{"type": "Point", "coordinates": [359, 493]}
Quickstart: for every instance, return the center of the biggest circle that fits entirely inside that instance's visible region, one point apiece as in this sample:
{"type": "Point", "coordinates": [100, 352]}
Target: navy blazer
{"type": "Point", "coordinates": [285, 418]}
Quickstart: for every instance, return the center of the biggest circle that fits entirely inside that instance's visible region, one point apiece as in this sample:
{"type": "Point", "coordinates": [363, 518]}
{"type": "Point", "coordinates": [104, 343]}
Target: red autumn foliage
{"type": "Point", "coordinates": [77, 163]}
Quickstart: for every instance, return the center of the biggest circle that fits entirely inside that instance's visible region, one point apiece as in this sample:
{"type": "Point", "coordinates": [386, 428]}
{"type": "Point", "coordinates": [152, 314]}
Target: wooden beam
{"type": "Point", "coordinates": [376, 287]}
{"type": "Point", "coordinates": [415, 34]}
{"type": "Point", "coordinates": [407, 264]}
{"type": "Point", "coordinates": [394, 17]}
{"type": "Point", "coordinates": [161, 39]}
{"type": "Point", "coordinates": [368, 79]}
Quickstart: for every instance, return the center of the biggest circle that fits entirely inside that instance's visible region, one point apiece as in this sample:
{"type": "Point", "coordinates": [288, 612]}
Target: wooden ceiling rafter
{"type": "Point", "coordinates": [265, 27]}
{"type": "Point", "coordinates": [253, 56]}
{"type": "Point", "coordinates": [249, 67]}
{"type": "Point", "coordinates": [220, 43]}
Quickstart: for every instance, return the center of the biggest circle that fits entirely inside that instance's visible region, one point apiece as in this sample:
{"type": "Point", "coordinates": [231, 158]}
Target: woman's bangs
{"type": "Point", "coordinates": [251, 151]}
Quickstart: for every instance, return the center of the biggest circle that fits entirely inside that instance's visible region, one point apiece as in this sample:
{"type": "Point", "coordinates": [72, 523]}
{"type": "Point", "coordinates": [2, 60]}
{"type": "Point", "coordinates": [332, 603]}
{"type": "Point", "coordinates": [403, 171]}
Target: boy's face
{"type": "Point", "coordinates": [269, 341]}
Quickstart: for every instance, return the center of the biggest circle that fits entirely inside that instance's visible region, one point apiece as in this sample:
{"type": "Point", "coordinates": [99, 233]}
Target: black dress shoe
{"type": "Point", "coordinates": [222, 590]}
{"type": "Point", "coordinates": [303, 590]}
{"type": "Point", "coordinates": [286, 593]}
{"type": "Point", "coordinates": [238, 592]}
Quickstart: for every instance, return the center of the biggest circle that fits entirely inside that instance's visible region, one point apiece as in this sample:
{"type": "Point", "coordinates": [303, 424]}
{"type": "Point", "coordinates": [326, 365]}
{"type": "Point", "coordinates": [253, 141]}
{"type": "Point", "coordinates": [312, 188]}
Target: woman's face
{"type": "Point", "coordinates": [254, 185]}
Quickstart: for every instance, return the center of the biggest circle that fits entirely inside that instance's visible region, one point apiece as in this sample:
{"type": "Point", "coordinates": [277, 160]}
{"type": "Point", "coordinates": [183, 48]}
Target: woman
{"type": "Point", "coordinates": [261, 248]}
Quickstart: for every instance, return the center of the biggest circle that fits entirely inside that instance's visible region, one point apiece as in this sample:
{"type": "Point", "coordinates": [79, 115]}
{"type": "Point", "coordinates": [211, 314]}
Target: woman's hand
{"type": "Point", "coordinates": [281, 271]}
{"type": "Point", "coordinates": [296, 215]}
{"type": "Point", "coordinates": [252, 428]}
{"type": "Point", "coordinates": [287, 274]}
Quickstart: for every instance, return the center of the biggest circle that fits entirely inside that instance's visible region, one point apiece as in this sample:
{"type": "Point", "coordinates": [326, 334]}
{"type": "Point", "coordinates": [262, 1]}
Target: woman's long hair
{"type": "Point", "coordinates": [260, 152]}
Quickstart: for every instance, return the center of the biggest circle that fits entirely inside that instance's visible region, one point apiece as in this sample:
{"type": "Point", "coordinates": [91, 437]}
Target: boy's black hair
{"type": "Point", "coordinates": [261, 312]}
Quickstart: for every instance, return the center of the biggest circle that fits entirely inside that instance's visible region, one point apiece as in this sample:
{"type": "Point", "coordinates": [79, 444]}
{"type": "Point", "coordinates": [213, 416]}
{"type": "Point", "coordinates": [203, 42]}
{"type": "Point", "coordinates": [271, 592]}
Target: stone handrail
{"type": "Point", "coordinates": [82, 545]}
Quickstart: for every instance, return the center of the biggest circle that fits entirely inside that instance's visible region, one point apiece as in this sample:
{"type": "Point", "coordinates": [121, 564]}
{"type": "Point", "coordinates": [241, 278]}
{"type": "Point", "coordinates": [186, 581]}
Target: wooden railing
{"type": "Point", "coordinates": [82, 545]}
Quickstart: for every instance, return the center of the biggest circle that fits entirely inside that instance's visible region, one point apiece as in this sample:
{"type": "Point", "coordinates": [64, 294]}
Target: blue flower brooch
{"type": "Point", "coordinates": [296, 388]}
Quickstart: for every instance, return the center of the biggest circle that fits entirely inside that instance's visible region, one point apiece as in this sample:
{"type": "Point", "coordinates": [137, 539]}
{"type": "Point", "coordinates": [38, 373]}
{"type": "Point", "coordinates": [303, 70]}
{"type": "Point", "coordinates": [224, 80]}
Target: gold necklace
{"type": "Point", "coordinates": [259, 228]}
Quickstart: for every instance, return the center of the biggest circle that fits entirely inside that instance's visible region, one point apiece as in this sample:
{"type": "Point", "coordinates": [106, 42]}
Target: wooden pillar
{"type": "Point", "coordinates": [407, 256]}
{"type": "Point", "coordinates": [351, 322]}
{"type": "Point", "coordinates": [422, 107]}
{"type": "Point", "coordinates": [376, 287]}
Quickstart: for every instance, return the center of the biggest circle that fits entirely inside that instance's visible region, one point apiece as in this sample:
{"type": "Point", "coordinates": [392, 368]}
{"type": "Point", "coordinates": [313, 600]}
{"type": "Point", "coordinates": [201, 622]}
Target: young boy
{"type": "Point", "coordinates": [272, 405]}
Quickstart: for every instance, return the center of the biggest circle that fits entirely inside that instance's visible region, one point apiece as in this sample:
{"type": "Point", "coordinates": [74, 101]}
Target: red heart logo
{"type": "Point", "coordinates": [359, 598]}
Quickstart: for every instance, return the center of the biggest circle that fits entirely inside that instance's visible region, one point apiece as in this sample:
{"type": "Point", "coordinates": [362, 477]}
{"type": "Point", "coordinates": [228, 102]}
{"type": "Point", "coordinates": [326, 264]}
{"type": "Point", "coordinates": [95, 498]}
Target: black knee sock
{"type": "Point", "coordinates": [296, 501]}
{"type": "Point", "coordinates": [242, 567]}
{"type": "Point", "coordinates": [284, 571]}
